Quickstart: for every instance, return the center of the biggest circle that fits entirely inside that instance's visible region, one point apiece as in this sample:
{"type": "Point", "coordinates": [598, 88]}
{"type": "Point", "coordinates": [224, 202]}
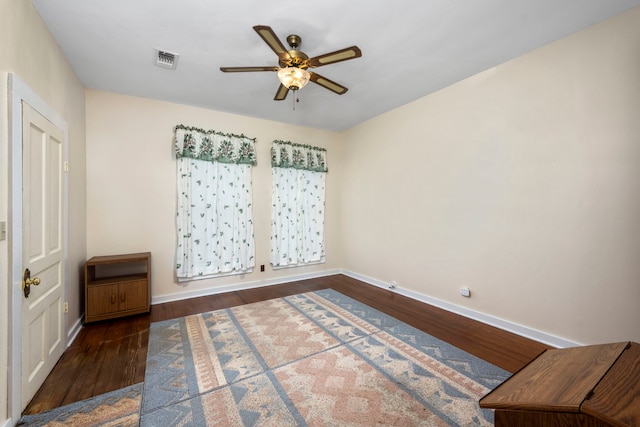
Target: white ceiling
{"type": "Point", "coordinates": [410, 48]}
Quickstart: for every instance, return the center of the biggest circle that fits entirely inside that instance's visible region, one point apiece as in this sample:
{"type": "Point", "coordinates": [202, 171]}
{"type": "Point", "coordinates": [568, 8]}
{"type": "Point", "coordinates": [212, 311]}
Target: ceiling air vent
{"type": "Point", "coordinates": [166, 59]}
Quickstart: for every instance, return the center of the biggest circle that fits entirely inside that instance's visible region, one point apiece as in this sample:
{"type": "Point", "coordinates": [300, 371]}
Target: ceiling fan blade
{"type": "Point", "coordinates": [282, 93]}
{"type": "Point", "coordinates": [337, 56]}
{"type": "Point", "coordinates": [272, 40]}
{"type": "Point", "coordinates": [327, 84]}
{"type": "Point", "coordinates": [245, 69]}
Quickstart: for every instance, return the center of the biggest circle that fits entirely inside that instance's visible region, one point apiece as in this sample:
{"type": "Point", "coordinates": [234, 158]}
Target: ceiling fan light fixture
{"type": "Point", "coordinates": [293, 78]}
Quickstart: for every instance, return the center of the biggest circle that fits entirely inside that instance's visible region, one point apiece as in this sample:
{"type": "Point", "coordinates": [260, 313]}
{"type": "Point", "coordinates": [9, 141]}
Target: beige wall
{"type": "Point", "coordinates": [131, 200]}
{"type": "Point", "coordinates": [522, 183]}
{"type": "Point", "coordinates": [30, 52]}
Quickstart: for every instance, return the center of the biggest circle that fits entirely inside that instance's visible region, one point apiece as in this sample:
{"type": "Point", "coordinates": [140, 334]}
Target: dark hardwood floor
{"type": "Point", "coordinates": [110, 355]}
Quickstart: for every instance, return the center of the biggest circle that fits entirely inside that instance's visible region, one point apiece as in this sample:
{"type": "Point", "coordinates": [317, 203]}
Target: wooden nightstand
{"type": "Point", "coordinates": [117, 286]}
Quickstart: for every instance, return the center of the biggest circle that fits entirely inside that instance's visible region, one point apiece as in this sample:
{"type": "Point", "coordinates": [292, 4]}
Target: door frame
{"type": "Point", "coordinates": [19, 92]}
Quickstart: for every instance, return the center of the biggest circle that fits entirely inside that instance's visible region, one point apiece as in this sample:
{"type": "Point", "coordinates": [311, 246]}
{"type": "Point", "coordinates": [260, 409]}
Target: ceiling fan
{"type": "Point", "coordinates": [293, 70]}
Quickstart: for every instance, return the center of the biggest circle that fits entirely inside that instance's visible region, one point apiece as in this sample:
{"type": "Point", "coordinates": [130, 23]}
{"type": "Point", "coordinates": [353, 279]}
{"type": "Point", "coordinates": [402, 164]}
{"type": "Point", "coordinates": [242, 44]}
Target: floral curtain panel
{"type": "Point", "coordinates": [298, 175]}
{"type": "Point", "coordinates": [214, 212]}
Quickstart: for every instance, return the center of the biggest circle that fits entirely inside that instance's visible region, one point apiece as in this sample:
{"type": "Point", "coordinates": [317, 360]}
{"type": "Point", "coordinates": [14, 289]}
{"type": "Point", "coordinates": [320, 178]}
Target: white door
{"type": "Point", "coordinates": [42, 249]}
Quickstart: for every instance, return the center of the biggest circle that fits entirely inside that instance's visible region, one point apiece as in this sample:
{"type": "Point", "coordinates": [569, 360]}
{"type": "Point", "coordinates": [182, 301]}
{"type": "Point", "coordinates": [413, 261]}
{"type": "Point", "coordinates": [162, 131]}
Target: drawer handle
{"type": "Point", "coordinates": [113, 298]}
{"type": "Point", "coordinates": [123, 296]}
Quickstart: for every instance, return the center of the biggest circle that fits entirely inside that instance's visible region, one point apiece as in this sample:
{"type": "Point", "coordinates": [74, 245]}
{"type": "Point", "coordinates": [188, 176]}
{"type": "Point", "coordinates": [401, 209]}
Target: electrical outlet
{"type": "Point", "coordinates": [66, 307]}
{"type": "Point", "coordinates": [393, 284]}
{"type": "Point", "coordinates": [465, 292]}
{"type": "Point", "coordinates": [261, 267]}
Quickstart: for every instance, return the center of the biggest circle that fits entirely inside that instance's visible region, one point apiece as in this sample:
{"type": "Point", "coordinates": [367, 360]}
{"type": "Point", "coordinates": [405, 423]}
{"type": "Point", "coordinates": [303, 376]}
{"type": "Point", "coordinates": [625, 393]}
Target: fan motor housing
{"type": "Point", "coordinates": [296, 59]}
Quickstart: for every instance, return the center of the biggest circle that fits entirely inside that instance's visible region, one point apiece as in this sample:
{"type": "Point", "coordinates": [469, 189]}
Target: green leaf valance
{"type": "Point", "coordinates": [214, 146]}
{"type": "Point", "coordinates": [286, 154]}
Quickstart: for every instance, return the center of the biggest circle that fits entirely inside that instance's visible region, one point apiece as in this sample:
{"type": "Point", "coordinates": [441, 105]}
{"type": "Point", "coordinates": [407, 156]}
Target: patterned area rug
{"type": "Point", "coordinates": [318, 358]}
{"type": "Point", "coordinates": [117, 408]}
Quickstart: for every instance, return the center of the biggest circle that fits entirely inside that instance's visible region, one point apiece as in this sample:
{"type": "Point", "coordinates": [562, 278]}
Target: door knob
{"type": "Point", "coordinates": [27, 281]}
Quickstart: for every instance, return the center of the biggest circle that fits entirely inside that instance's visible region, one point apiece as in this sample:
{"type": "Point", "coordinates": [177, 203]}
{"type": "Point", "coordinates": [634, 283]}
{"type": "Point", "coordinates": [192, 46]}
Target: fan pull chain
{"type": "Point", "coordinates": [295, 98]}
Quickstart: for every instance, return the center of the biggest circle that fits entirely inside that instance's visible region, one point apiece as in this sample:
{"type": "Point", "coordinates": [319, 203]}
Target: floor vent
{"type": "Point", "coordinates": [166, 59]}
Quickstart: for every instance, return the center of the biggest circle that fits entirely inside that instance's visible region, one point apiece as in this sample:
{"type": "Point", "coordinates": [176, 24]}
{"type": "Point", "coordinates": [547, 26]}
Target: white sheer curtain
{"type": "Point", "coordinates": [298, 200]}
{"type": "Point", "coordinates": [214, 212]}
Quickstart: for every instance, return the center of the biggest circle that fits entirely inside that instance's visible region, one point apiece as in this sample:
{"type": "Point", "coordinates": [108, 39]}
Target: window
{"type": "Point", "coordinates": [298, 175]}
{"type": "Point", "coordinates": [214, 212]}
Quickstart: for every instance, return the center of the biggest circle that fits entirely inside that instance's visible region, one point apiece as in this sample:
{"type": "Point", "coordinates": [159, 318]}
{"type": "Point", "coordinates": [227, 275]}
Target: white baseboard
{"type": "Point", "coordinates": [506, 325]}
{"type": "Point", "coordinates": [74, 331]}
{"type": "Point", "coordinates": [242, 286]}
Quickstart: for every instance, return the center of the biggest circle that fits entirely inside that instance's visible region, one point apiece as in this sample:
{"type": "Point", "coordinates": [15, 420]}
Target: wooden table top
{"type": "Point", "coordinates": [558, 380]}
{"type": "Point", "coordinates": [616, 399]}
